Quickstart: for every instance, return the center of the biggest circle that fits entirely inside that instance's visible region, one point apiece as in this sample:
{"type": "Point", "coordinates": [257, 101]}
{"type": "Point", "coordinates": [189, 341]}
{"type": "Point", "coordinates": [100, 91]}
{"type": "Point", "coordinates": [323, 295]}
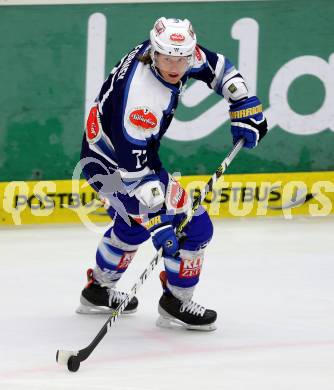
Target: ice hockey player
{"type": "Point", "coordinates": [120, 159]}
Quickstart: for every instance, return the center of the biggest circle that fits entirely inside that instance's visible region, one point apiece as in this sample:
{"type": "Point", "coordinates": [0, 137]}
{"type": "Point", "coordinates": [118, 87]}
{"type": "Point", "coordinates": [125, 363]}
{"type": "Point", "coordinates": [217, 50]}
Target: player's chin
{"type": "Point", "coordinates": [173, 78]}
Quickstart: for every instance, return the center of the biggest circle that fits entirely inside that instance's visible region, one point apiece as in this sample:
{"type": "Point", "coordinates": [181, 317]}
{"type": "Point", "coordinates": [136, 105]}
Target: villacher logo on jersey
{"type": "Point", "coordinates": [143, 117]}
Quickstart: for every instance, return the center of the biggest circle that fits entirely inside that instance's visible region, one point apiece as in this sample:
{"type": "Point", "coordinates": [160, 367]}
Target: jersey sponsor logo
{"type": "Point", "coordinates": [153, 221]}
{"type": "Point", "coordinates": [93, 131]}
{"type": "Point", "coordinates": [144, 118]}
{"type": "Point", "coordinates": [190, 268]}
{"type": "Point", "coordinates": [126, 260]}
{"type": "Point", "coordinates": [177, 37]}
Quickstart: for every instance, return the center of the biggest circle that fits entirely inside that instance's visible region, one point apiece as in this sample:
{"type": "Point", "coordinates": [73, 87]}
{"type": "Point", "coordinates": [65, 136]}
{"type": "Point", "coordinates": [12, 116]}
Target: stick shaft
{"type": "Point", "coordinates": [198, 199]}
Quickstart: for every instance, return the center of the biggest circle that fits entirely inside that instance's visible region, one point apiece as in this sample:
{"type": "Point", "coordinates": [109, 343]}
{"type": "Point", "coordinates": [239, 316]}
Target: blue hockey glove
{"type": "Point", "coordinates": [165, 237]}
{"type": "Point", "coordinates": [248, 122]}
{"type": "Point", "coordinates": [163, 234]}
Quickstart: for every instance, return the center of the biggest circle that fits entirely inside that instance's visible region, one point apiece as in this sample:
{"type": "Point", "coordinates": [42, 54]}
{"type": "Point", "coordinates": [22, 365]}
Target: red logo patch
{"type": "Point", "coordinates": [159, 27]}
{"type": "Point", "coordinates": [190, 268]}
{"type": "Point", "coordinates": [198, 53]}
{"type": "Point", "coordinates": [177, 195]}
{"type": "Point", "coordinates": [126, 260]}
{"type": "Point", "coordinates": [93, 126]}
{"type": "Point", "coordinates": [177, 37]}
{"type": "Point", "coordinates": [144, 118]}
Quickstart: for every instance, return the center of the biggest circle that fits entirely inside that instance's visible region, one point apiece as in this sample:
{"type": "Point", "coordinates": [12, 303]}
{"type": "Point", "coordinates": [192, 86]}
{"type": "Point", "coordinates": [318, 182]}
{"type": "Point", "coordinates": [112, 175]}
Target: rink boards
{"type": "Point", "coordinates": [237, 195]}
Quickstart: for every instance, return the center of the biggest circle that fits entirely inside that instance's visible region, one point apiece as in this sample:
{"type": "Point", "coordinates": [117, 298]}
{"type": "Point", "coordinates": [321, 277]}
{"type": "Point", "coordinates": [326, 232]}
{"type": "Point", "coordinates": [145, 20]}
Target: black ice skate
{"type": "Point", "coordinates": [187, 314]}
{"type": "Point", "coordinates": [96, 299]}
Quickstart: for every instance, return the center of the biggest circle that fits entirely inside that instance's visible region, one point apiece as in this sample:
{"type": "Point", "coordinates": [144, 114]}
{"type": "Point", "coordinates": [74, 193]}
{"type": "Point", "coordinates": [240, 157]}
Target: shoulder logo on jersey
{"type": "Point", "coordinates": [177, 38]}
{"type": "Point", "coordinates": [198, 53]}
{"type": "Point", "coordinates": [143, 117]}
{"type": "Point", "coordinates": [93, 126]}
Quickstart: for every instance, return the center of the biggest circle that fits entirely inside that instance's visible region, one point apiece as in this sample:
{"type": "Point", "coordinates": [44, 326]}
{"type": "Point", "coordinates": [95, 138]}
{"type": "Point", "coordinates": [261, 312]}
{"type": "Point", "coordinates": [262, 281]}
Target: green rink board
{"type": "Point", "coordinates": [43, 52]}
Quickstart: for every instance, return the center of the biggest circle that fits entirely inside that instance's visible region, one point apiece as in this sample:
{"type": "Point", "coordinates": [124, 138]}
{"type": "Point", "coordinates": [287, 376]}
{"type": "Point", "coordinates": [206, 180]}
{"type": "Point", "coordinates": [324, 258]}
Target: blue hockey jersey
{"type": "Point", "coordinates": [135, 107]}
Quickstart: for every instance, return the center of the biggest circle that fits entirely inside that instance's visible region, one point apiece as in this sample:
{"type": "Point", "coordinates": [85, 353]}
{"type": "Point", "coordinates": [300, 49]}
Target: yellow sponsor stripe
{"type": "Point", "coordinates": [238, 195]}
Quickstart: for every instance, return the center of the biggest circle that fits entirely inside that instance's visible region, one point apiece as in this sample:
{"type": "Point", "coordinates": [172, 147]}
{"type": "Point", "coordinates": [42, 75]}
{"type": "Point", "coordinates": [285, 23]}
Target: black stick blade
{"type": "Point", "coordinates": [73, 364]}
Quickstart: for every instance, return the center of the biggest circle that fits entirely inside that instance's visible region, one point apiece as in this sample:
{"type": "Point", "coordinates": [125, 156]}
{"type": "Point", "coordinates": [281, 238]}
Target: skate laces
{"type": "Point", "coordinates": [116, 296]}
{"type": "Point", "coordinates": [193, 308]}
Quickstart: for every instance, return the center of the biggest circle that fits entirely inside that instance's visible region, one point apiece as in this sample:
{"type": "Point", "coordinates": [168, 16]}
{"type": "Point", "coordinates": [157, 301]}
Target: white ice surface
{"type": "Point", "coordinates": [271, 281]}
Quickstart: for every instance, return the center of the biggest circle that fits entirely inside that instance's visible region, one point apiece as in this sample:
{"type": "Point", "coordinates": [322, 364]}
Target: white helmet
{"type": "Point", "coordinates": [174, 37]}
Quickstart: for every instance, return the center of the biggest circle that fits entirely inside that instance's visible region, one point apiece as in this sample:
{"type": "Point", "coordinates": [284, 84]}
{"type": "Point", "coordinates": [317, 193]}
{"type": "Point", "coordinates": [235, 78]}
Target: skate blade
{"type": "Point", "coordinates": [174, 323]}
{"type": "Point", "coordinates": [83, 309]}
{"type": "Point", "coordinates": [88, 308]}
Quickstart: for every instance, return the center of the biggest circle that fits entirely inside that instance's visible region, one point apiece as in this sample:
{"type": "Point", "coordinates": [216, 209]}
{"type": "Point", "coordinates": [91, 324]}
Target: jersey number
{"type": "Point", "coordinates": [141, 157]}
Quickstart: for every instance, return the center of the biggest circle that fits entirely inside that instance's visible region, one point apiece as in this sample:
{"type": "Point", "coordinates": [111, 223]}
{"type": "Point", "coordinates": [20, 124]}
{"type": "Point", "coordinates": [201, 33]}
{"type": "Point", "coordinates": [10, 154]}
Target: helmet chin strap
{"type": "Point", "coordinates": [153, 65]}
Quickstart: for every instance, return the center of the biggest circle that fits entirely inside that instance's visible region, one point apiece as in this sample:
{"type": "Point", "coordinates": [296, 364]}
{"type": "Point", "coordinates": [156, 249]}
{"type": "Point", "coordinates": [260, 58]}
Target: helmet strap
{"type": "Point", "coordinates": [153, 65]}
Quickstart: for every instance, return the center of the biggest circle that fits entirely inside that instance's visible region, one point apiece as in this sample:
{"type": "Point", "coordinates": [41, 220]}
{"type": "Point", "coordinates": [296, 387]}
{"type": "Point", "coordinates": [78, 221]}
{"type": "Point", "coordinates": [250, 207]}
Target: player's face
{"type": "Point", "coordinates": [171, 68]}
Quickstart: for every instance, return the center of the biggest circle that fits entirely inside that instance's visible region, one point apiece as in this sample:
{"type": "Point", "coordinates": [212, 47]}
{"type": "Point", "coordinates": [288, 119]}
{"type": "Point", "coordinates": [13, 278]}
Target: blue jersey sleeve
{"type": "Point", "coordinates": [218, 72]}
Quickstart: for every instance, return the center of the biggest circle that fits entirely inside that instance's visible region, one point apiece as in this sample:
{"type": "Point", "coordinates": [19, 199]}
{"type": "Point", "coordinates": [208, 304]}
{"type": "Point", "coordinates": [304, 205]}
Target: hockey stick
{"type": "Point", "coordinates": [73, 358]}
